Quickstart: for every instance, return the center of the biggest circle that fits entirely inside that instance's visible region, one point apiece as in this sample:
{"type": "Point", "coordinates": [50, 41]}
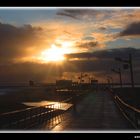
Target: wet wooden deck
{"type": "Point", "coordinates": [96, 112]}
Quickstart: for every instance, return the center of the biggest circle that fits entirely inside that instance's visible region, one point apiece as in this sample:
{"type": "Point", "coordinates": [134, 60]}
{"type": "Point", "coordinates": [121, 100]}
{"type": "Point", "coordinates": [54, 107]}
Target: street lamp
{"type": "Point", "coordinates": [118, 71]}
{"type": "Point", "coordinates": [110, 78]}
{"type": "Point", "coordinates": [81, 77]}
{"type": "Point", "coordinates": [127, 64]}
{"type": "Point", "coordinates": [108, 81]}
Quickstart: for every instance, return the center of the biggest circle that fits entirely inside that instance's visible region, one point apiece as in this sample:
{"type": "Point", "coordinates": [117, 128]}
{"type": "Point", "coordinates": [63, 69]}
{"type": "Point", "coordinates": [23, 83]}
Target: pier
{"type": "Point", "coordinates": [84, 110]}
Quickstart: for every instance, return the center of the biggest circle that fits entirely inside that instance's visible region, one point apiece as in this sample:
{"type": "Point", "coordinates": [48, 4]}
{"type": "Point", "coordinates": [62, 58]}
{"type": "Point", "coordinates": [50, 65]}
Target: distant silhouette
{"type": "Point", "coordinates": [31, 83]}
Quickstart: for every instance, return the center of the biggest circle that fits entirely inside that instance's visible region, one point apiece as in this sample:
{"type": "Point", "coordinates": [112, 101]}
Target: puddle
{"type": "Point", "coordinates": [56, 105]}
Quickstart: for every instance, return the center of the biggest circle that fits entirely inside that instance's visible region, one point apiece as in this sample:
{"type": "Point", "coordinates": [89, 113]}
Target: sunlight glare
{"type": "Point", "coordinates": [56, 53]}
{"type": "Point", "coordinates": [53, 54]}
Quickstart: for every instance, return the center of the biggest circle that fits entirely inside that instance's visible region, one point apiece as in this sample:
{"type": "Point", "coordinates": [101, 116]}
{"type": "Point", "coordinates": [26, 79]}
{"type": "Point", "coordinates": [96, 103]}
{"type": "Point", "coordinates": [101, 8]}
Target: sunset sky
{"type": "Point", "coordinates": [45, 44]}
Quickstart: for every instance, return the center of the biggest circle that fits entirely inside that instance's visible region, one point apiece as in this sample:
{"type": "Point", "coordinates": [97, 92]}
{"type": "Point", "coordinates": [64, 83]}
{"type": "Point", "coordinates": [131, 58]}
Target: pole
{"type": "Point", "coordinates": [108, 80]}
{"type": "Point", "coordinates": [81, 78]}
{"type": "Point", "coordinates": [131, 70]}
{"type": "Point", "coordinates": [89, 79]}
{"type": "Point", "coordinates": [111, 81]}
{"type": "Point", "coordinates": [120, 77]}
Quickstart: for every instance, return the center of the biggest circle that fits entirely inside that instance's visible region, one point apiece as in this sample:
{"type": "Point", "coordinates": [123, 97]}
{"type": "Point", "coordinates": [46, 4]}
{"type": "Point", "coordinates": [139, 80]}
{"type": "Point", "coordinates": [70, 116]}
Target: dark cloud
{"type": "Point", "coordinates": [87, 44]}
{"type": "Point", "coordinates": [103, 61]}
{"type": "Point", "coordinates": [67, 14]}
{"type": "Point", "coordinates": [108, 54]}
{"type": "Point", "coordinates": [132, 29]}
{"type": "Point", "coordinates": [82, 13]}
{"type": "Point", "coordinates": [23, 72]}
{"type": "Point", "coordinates": [101, 66]}
{"type": "Point", "coordinates": [14, 40]}
{"type": "Point", "coordinates": [102, 28]}
{"type": "Point", "coordinates": [80, 55]}
{"type": "Point", "coordinates": [68, 33]}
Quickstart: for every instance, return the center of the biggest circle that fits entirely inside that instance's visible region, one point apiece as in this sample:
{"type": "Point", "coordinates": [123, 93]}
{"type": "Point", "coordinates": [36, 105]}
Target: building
{"type": "Point", "coordinates": [94, 84]}
{"type": "Point", "coordinates": [94, 81]}
{"type": "Point", "coordinates": [63, 84]}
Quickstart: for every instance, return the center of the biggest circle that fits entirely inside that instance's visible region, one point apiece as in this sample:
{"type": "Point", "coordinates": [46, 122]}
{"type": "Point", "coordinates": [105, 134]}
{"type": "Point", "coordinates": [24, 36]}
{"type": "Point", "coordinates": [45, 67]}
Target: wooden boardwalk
{"type": "Point", "coordinates": [96, 112]}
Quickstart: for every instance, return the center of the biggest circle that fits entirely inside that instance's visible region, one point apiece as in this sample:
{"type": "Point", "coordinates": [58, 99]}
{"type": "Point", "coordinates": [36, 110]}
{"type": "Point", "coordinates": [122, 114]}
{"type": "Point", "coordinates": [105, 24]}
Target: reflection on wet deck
{"type": "Point", "coordinates": [56, 105]}
{"type": "Point", "coordinates": [52, 123]}
{"type": "Point", "coordinates": [96, 112]}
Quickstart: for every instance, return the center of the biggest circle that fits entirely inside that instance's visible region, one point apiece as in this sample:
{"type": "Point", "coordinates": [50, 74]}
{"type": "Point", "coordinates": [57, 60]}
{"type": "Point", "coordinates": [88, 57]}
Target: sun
{"type": "Point", "coordinates": [57, 53]}
{"type": "Point", "coordinates": [53, 54]}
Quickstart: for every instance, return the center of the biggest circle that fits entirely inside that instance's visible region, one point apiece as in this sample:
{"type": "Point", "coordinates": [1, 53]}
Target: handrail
{"type": "Point", "coordinates": [12, 112]}
{"type": "Point", "coordinates": [124, 103]}
{"type": "Point", "coordinates": [22, 110]}
{"type": "Point", "coordinates": [68, 99]}
{"type": "Point", "coordinates": [127, 105]}
{"type": "Point", "coordinates": [131, 113]}
{"type": "Point", "coordinates": [31, 115]}
{"type": "Point", "coordinates": [26, 117]}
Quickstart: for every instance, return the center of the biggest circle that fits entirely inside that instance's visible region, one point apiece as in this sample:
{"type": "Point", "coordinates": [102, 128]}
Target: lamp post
{"type": "Point", "coordinates": [118, 71]}
{"type": "Point", "coordinates": [131, 70]}
{"type": "Point", "coordinates": [108, 82]}
{"type": "Point", "coordinates": [110, 78]}
{"type": "Point", "coordinates": [82, 76]}
{"type": "Point", "coordinates": [127, 64]}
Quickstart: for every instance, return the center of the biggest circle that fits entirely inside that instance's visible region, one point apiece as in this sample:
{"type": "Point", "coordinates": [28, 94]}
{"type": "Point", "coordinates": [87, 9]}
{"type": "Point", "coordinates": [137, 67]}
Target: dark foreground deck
{"type": "Point", "coordinates": [95, 112]}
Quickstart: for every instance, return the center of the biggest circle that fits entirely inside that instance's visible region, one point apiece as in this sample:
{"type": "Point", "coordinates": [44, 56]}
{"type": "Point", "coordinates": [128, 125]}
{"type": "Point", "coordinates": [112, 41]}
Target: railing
{"type": "Point", "coordinates": [31, 117]}
{"type": "Point", "coordinates": [28, 118]}
{"type": "Point", "coordinates": [131, 113]}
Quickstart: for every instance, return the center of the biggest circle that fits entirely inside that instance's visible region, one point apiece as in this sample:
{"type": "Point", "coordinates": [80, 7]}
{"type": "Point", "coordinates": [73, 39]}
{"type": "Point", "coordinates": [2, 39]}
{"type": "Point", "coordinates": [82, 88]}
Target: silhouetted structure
{"type": "Point", "coordinates": [94, 84]}
{"type": "Point", "coordinates": [127, 64]}
{"type": "Point", "coordinates": [31, 83]}
{"type": "Point", "coordinates": [63, 84]}
{"type": "Point", "coordinates": [118, 71]}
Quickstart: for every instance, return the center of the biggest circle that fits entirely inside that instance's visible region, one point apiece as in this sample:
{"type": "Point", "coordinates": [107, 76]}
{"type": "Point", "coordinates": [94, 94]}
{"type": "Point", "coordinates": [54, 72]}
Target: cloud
{"type": "Point", "coordinates": [17, 42]}
{"type": "Point", "coordinates": [101, 37]}
{"type": "Point", "coordinates": [102, 28]}
{"type": "Point", "coordinates": [101, 64]}
{"type": "Point", "coordinates": [88, 38]}
{"type": "Point", "coordinates": [23, 72]}
{"type": "Point", "coordinates": [103, 19]}
{"type": "Point", "coordinates": [94, 40]}
{"type": "Point", "coordinates": [26, 43]}
{"type": "Point", "coordinates": [67, 14]}
{"type": "Point", "coordinates": [118, 19]}
{"type": "Point", "coordinates": [80, 55]}
{"type": "Point", "coordinates": [87, 44]}
{"type": "Point", "coordinates": [107, 54]}
{"type": "Point", "coordinates": [132, 29]}
{"type": "Point", "coordinates": [82, 13]}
